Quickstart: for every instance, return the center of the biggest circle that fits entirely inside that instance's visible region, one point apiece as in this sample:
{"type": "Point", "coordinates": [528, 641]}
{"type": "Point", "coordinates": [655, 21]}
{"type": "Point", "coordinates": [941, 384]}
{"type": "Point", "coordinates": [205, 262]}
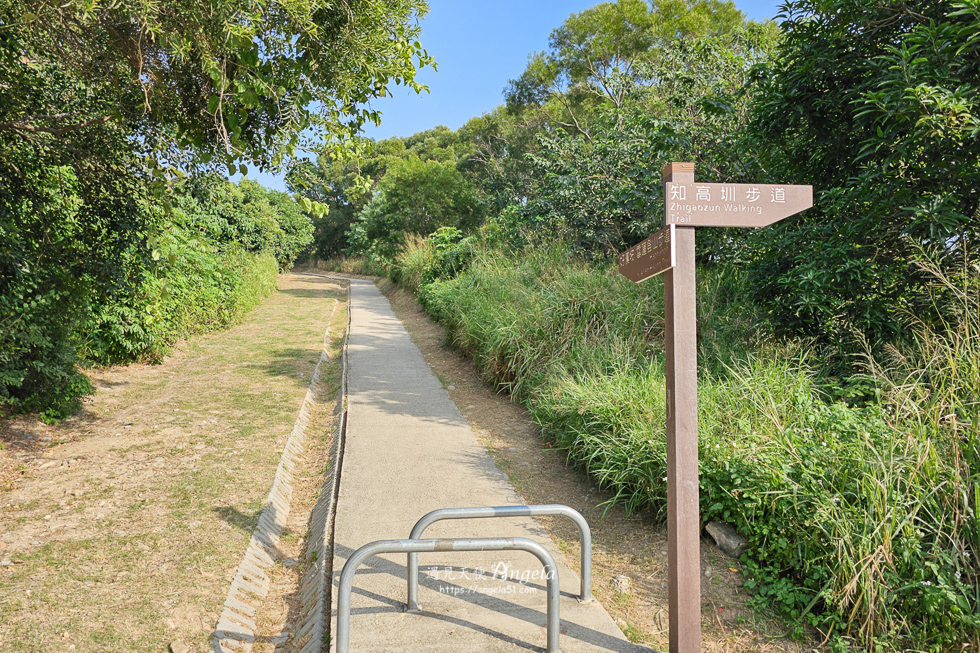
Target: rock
{"type": "Point", "coordinates": [727, 538]}
{"type": "Point", "coordinates": [179, 647]}
{"type": "Point", "coordinates": [450, 387]}
{"type": "Point", "coordinates": [621, 584]}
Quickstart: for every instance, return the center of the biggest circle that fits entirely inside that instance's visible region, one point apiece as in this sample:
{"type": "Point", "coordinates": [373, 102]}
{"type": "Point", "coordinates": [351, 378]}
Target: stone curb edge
{"type": "Point", "coordinates": [235, 629]}
{"type": "Point", "coordinates": [316, 586]}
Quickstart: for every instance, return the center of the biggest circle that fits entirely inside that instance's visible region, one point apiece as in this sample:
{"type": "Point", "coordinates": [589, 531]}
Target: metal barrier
{"type": "Point", "coordinates": [423, 546]}
{"type": "Point", "coordinates": [585, 594]}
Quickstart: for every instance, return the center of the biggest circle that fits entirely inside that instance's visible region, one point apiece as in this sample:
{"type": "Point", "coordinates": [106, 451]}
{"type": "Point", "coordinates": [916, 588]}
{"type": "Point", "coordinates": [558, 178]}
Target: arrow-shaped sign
{"type": "Point", "coordinates": [653, 256]}
{"type": "Point", "coordinates": [733, 205]}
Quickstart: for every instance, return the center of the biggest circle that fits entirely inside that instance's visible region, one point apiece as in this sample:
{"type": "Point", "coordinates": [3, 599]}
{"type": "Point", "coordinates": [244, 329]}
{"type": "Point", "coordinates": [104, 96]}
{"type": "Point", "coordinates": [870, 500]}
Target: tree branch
{"type": "Point", "coordinates": [26, 125]}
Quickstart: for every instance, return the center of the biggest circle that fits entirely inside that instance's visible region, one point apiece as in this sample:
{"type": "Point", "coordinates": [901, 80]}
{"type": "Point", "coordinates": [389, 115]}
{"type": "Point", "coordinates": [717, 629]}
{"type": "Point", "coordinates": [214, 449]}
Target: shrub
{"type": "Point", "coordinates": [89, 275]}
{"type": "Point", "coordinates": [441, 256]}
{"type": "Point", "coordinates": [198, 289]}
{"type": "Point", "coordinates": [63, 240]}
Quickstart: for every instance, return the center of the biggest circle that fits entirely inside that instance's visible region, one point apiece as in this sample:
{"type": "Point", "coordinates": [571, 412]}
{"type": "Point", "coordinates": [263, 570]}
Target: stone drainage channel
{"type": "Point", "coordinates": [236, 627]}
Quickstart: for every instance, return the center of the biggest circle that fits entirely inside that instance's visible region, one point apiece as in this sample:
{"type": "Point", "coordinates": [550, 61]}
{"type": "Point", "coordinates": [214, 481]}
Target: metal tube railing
{"type": "Point", "coordinates": [424, 546]}
{"type": "Point", "coordinates": [585, 594]}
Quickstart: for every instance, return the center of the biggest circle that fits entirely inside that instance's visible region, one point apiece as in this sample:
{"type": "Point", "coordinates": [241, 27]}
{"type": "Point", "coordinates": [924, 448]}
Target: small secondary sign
{"type": "Point", "coordinates": [733, 205]}
{"type": "Point", "coordinates": [653, 256]}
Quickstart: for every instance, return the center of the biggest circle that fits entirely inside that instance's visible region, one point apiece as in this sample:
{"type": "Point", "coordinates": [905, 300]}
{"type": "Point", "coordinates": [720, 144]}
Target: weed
{"type": "Point", "coordinates": [623, 600]}
{"type": "Point", "coordinates": [633, 633]}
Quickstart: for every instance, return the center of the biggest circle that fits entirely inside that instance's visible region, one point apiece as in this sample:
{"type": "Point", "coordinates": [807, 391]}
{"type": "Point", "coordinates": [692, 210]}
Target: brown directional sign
{"type": "Point", "coordinates": [733, 205]}
{"type": "Point", "coordinates": [689, 204]}
{"type": "Point", "coordinates": [653, 256]}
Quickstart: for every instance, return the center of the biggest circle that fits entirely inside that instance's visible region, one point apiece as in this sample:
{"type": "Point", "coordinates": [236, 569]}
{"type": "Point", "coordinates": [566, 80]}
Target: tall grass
{"type": "Point", "coordinates": [414, 260]}
{"type": "Point", "coordinates": [345, 265]}
{"type": "Point", "coordinates": [519, 321]}
{"type": "Point", "coordinates": [862, 520]}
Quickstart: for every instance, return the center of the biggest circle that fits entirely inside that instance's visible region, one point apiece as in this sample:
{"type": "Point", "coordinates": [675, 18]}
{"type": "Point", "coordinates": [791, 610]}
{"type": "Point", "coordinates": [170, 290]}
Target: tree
{"type": "Point", "coordinates": [61, 242]}
{"type": "Point", "coordinates": [623, 87]}
{"type": "Point", "coordinates": [239, 81]}
{"type": "Point", "coordinates": [346, 185]}
{"type": "Point", "coordinates": [601, 189]}
{"type": "Point", "coordinates": [875, 104]}
{"type": "Point", "coordinates": [337, 185]}
{"type": "Point", "coordinates": [262, 219]}
{"type": "Point", "coordinates": [593, 51]}
{"type": "Point", "coordinates": [414, 197]}
{"type": "Point", "coordinates": [497, 160]}
{"type": "Point", "coordinates": [102, 102]}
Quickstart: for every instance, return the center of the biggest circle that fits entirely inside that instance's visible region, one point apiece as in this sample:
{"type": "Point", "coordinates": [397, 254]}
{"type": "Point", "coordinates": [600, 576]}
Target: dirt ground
{"type": "Point", "coordinates": [121, 528]}
{"type": "Point", "coordinates": [623, 545]}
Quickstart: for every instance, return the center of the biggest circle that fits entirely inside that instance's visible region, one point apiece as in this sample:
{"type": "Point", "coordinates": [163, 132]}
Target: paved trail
{"type": "Point", "coordinates": [409, 451]}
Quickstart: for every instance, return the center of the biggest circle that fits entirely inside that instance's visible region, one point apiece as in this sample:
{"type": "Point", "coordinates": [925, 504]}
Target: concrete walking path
{"type": "Point", "coordinates": [409, 451]}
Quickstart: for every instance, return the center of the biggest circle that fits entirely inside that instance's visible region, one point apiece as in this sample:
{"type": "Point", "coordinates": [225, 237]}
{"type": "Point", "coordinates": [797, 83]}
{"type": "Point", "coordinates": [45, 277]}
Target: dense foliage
{"type": "Point", "coordinates": [99, 279]}
{"type": "Point", "coordinates": [105, 106]}
{"type": "Point", "coordinates": [414, 197]}
{"type": "Point", "coordinates": [396, 188]}
{"type": "Point", "coordinates": [239, 81]}
{"type": "Point", "coordinates": [68, 235]}
{"type": "Point", "coordinates": [214, 255]}
{"type": "Point", "coordinates": [598, 187]}
{"type": "Point", "coordinates": [875, 105]}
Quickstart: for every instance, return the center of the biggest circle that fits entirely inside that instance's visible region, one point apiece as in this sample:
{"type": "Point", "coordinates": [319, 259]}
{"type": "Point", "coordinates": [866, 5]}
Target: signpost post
{"type": "Point", "coordinates": [671, 250]}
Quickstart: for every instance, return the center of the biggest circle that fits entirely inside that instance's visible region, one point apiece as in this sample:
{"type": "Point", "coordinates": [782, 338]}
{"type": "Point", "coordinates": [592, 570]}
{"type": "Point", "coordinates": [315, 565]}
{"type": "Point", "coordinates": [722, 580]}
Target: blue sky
{"type": "Point", "coordinates": [479, 46]}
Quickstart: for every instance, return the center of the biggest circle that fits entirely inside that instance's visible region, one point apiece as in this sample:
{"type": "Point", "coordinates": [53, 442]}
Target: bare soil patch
{"type": "Point", "coordinates": [121, 528]}
{"type": "Point", "coordinates": [624, 545]}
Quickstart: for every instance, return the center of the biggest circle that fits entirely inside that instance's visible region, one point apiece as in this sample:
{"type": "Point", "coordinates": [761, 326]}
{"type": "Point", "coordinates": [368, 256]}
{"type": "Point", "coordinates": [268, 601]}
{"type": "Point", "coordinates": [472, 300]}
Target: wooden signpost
{"type": "Point", "coordinates": [688, 205]}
